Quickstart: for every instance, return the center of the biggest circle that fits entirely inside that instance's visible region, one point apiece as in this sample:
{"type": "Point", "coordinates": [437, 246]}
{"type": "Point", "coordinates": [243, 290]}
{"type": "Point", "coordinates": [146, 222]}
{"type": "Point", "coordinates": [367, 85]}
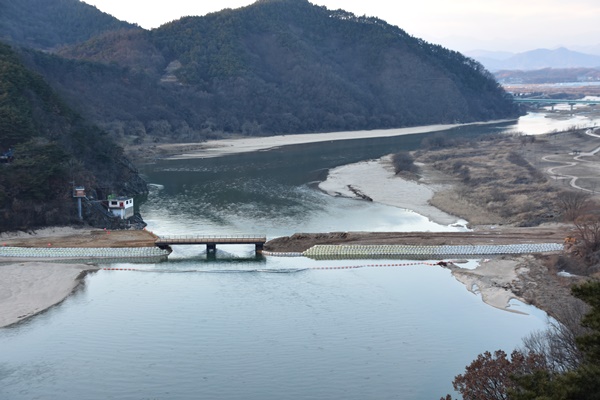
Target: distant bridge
{"type": "Point", "coordinates": [211, 241]}
{"type": "Point", "coordinates": [552, 102]}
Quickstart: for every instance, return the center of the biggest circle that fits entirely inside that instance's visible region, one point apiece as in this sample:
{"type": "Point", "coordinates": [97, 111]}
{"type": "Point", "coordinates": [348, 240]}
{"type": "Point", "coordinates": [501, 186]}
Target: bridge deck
{"type": "Point", "coordinates": [554, 101]}
{"type": "Point", "coordinates": [210, 240]}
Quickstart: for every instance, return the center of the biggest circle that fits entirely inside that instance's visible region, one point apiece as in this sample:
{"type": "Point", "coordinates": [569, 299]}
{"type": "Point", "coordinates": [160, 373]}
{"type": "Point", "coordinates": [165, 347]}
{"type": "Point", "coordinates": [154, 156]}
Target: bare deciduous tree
{"type": "Point", "coordinates": [573, 203]}
{"type": "Point", "coordinates": [403, 162]}
{"type": "Point", "coordinates": [588, 237]}
{"type": "Point", "coordinates": [557, 344]}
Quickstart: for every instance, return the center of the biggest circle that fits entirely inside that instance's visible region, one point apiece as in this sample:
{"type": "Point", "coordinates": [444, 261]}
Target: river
{"type": "Point", "coordinates": [240, 326]}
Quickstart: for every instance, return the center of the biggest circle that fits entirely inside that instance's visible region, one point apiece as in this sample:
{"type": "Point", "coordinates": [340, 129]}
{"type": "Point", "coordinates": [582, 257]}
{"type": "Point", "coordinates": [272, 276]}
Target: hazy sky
{"type": "Point", "coordinates": [463, 25]}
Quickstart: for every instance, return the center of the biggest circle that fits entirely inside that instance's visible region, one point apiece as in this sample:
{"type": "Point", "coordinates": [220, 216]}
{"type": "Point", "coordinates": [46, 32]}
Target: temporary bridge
{"type": "Point", "coordinates": [211, 241]}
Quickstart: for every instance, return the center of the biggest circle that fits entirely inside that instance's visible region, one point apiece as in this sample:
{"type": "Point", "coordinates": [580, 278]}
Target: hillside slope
{"type": "Point", "coordinates": [276, 66]}
{"type": "Point", "coordinates": [53, 149]}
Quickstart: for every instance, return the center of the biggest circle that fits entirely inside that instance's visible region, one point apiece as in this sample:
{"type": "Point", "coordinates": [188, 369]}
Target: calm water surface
{"type": "Point", "coordinates": [246, 327]}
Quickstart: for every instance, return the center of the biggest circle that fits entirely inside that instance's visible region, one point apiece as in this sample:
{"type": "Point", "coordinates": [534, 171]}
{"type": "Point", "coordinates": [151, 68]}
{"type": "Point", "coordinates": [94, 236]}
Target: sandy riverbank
{"type": "Point", "coordinates": [218, 148]}
{"type": "Point", "coordinates": [29, 288]}
{"type": "Point", "coordinates": [493, 279]}
{"type": "Point", "coordinates": [377, 180]}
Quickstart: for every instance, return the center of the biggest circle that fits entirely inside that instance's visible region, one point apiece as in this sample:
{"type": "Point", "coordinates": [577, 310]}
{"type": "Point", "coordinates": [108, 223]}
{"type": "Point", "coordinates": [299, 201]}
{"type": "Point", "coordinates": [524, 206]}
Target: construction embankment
{"type": "Point", "coordinates": [461, 242]}
{"type": "Point", "coordinates": [399, 251]}
{"type": "Point", "coordinates": [99, 244]}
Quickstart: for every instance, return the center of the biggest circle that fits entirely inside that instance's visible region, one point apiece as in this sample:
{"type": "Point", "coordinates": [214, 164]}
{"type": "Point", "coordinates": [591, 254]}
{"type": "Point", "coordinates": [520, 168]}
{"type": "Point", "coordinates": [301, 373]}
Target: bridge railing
{"type": "Point", "coordinates": [554, 101]}
{"type": "Point", "coordinates": [248, 238]}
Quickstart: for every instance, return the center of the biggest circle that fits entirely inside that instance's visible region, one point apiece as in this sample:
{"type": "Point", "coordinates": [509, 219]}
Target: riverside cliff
{"type": "Point", "coordinates": [53, 149]}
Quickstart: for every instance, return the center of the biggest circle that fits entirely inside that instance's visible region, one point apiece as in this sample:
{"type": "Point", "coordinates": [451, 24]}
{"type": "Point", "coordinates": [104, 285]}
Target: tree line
{"type": "Point", "coordinates": [275, 67]}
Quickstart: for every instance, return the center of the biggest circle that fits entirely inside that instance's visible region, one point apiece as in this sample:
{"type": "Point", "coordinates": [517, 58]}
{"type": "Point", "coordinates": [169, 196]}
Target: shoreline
{"type": "Point", "coordinates": [377, 180]}
{"type": "Point", "coordinates": [406, 194]}
{"type": "Point", "coordinates": [29, 286]}
{"type": "Point", "coordinates": [492, 280]}
{"type": "Point", "coordinates": [223, 147]}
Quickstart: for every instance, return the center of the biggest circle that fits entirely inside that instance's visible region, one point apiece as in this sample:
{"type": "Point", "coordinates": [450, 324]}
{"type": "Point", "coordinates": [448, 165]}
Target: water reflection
{"type": "Point", "coordinates": [241, 326]}
{"type": "Point", "coordinates": [540, 123]}
{"type": "Point", "coordinates": [272, 192]}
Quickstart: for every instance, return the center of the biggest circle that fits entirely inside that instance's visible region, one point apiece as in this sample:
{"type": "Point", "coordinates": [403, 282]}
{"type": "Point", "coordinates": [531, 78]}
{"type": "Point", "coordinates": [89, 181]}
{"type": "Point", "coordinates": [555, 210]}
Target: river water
{"type": "Point", "coordinates": [238, 326]}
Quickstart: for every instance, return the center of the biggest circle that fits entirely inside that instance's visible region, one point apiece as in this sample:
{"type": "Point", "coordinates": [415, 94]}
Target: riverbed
{"type": "Point", "coordinates": [240, 326]}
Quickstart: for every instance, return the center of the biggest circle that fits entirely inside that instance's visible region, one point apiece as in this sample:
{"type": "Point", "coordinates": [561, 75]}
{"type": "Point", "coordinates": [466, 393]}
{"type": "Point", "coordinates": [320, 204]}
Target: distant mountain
{"type": "Point", "coordinates": [489, 58]}
{"type": "Point", "coordinates": [487, 54]}
{"type": "Point", "coordinates": [540, 59]}
{"type": "Point", "coordinates": [548, 75]}
{"type": "Point", "coordinates": [276, 66]}
{"type": "Point", "coordinates": [52, 147]}
{"type": "Point", "coordinates": [48, 24]}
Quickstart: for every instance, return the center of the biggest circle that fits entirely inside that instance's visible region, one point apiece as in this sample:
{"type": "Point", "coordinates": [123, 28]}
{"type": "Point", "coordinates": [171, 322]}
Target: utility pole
{"type": "Point", "coordinates": [79, 193]}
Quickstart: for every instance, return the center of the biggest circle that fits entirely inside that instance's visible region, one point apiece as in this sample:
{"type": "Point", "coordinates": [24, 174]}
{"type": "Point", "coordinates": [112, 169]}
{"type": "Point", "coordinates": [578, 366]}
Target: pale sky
{"type": "Point", "coordinates": [463, 25]}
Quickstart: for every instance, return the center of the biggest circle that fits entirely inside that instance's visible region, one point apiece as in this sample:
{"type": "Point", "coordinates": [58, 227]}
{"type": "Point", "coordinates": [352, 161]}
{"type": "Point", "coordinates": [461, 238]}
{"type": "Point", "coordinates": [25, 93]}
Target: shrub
{"type": "Point", "coordinates": [403, 162]}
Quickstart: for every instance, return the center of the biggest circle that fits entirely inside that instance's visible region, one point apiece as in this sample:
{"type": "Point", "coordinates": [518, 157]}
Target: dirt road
{"type": "Point", "coordinates": [83, 238]}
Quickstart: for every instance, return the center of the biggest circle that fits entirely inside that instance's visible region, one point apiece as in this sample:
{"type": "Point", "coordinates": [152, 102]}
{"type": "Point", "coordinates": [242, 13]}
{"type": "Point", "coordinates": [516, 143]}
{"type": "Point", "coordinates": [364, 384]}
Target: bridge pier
{"type": "Point", "coordinates": [211, 248]}
{"type": "Point", "coordinates": [211, 241]}
{"type": "Point", "coordinates": [540, 102]}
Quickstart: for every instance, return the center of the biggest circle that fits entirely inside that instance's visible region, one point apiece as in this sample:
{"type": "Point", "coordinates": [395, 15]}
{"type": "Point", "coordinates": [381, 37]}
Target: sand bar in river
{"type": "Point", "coordinates": [32, 287]}
{"type": "Point", "coordinates": [218, 148]}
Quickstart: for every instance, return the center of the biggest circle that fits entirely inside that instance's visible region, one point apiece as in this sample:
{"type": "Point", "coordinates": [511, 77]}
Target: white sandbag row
{"type": "Point", "coordinates": [82, 252]}
{"type": "Point", "coordinates": [281, 254]}
{"type": "Point", "coordinates": [445, 250]}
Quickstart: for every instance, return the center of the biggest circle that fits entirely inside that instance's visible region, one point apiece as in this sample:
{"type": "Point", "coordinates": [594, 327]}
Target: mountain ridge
{"type": "Point", "coordinates": [273, 67]}
{"type": "Point", "coordinates": [47, 25]}
{"type": "Point", "coordinates": [276, 66]}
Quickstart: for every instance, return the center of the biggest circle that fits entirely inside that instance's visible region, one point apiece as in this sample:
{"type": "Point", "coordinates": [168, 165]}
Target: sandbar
{"type": "Point", "coordinates": [377, 180]}
{"type": "Point", "coordinates": [492, 279]}
{"type": "Point", "coordinates": [29, 288]}
{"type": "Point", "coordinates": [222, 147]}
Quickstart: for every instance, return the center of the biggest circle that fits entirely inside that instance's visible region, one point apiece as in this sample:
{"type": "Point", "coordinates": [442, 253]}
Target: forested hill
{"type": "Point", "coordinates": [48, 24]}
{"type": "Point", "coordinates": [274, 67]}
{"type": "Point", "coordinates": [52, 148]}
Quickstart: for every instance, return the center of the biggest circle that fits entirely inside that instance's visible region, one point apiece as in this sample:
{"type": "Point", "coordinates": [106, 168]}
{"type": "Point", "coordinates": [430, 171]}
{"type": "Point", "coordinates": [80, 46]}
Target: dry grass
{"type": "Point", "coordinates": [497, 184]}
{"type": "Point", "coordinates": [454, 203]}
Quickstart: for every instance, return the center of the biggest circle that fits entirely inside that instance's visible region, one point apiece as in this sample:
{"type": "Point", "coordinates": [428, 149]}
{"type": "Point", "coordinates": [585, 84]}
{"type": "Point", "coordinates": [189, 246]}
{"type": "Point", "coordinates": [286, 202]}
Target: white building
{"type": "Point", "coordinates": [121, 207]}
